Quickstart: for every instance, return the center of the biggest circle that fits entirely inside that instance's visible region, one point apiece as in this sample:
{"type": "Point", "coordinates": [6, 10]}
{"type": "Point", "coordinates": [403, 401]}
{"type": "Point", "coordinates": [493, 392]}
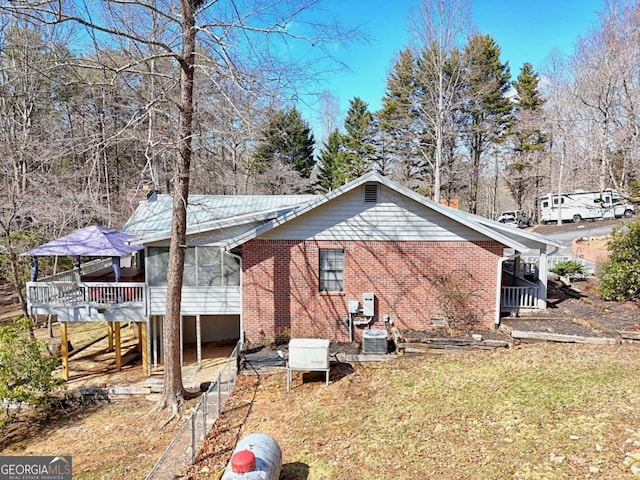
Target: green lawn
{"type": "Point", "coordinates": [536, 412]}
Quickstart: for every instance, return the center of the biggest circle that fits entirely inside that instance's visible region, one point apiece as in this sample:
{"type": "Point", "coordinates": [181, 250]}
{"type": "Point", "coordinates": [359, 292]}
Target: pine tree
{"type": "Point", "coordinates": [358, 140]}
{"type": "Point", "coordinates": [333, 164]}
{"type": "Point", "coordinates": [526, 85]}
{"type": "Point", "coordinates": [286, 138]}
{"type": "Point", "coordinates": [487, 108]}
{"type": "Point", "coordinates": [529, 141]}
{"type": "Point", "coordinates": [399, 122]}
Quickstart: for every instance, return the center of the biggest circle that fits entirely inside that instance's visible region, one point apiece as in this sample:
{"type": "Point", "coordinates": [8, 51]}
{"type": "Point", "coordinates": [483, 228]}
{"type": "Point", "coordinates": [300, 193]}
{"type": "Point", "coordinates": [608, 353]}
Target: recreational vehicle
{"type": "Point", "coordinates": [582, 205]}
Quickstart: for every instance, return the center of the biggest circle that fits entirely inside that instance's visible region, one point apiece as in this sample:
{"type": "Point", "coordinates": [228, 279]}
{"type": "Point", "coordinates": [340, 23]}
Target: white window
{"type": "Point", "coordinates": [331, 272]}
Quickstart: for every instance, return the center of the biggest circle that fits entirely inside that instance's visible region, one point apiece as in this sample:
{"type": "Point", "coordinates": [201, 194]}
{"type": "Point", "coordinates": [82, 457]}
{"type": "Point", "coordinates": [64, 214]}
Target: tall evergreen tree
{"type": "Point", "coordinates": [527, 94]}
{"type": "Point", "coordinates": [333, 164]}
{"type": "Point", "coordinates": [399, 122]}
{"type": "Point", "coordinates": [487, 108]}
{"type": "Point", "coordinates": [358, 140]}
{"type": "Point", "coordinates": [529, 141]}
{"type": "Point", "coordinates": [286, 138]}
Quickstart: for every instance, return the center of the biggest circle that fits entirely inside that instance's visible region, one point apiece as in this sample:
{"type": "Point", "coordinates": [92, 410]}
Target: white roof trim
{"type": "Point", "coordinates": [473, 222]}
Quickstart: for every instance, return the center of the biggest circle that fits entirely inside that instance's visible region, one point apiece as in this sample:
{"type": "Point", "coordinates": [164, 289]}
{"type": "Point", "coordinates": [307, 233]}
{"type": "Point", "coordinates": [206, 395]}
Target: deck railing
{"type": "Point", "coordinates": [65, 293]}
{"type": "Point", "coordinates": [519, 297]}
{"type": "Point", "coordinates": [68, 276]}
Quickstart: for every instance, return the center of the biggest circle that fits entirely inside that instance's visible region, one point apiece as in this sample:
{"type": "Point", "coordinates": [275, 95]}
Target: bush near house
{"type": "Point", "coordinates": [620, 273]}
{"type": "Point", "coordinates": [25, 368]}
{"type": "Point", "coordinates": [568, 267]}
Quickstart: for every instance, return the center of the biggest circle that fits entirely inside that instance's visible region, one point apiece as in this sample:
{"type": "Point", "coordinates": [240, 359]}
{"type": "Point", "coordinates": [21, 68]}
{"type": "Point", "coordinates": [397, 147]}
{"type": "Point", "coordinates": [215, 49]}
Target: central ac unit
{"type": "Point", "coordinates": [374, 341]}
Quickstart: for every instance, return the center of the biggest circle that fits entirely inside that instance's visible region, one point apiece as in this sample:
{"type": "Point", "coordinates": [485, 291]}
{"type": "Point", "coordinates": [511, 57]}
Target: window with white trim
{"type": "Point", "coordinates": [331, 271]}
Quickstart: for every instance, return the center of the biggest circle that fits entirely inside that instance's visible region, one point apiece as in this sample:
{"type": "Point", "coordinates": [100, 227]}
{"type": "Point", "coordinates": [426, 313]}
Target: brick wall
{"type": "Point", "coordinates": [415, 283]}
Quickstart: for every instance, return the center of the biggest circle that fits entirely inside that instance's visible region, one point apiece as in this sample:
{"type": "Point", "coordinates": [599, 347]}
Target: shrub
{"type": "Point", "coordinates": [567, 267]}
{"type": "Point", "coordinates": [620, 273]}
{"type": "Point", "coordinates": [25, 369]}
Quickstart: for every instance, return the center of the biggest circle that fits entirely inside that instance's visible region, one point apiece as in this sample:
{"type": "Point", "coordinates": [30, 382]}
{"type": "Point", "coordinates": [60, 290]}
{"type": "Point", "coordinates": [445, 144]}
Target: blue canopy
{"type": "Point", "coordinates": [91, 241]}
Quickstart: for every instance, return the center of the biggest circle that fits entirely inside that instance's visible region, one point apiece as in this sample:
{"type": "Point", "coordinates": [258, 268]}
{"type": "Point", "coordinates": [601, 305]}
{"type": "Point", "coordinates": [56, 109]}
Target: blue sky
{"type": "Point", "coordinates": [526, 31]}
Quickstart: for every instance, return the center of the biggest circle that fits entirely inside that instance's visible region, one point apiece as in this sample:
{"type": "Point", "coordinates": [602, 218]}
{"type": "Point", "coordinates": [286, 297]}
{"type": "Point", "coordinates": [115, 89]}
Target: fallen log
{"type": "Point", "coordinates": [442, 345]}
{"type": "Point", "coordinates": [442, 342]}
{"type": "Point", "coordinates": [629, 335]}
{"type": "Point", "coordinates": [562, 338]}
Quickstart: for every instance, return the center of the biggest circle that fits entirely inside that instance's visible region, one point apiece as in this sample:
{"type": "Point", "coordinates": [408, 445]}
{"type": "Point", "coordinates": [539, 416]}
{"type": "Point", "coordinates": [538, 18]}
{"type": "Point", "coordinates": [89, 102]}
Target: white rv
{"type": "Point", "coordinates": [581, 205]}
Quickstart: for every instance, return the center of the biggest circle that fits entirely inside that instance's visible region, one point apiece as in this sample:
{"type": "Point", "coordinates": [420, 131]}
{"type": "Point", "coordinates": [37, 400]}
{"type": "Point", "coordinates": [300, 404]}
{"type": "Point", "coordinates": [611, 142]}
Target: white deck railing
{"type": "Point", "coordinates": [65, 293]}
{"type": "Point", "coordinates": [519, 297]}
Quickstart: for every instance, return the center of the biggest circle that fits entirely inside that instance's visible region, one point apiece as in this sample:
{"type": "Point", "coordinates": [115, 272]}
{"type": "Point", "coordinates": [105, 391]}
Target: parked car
{"type": "Point", "coordinates": [520, 218]}
{"type": "Point", "coordinates": [508, 220]}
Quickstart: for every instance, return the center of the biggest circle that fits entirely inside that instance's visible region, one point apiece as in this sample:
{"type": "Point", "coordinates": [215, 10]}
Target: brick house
{"type": "Point", "coordinates": [425, 264]}
{"type": "Point", "coordinates": [258, 268]}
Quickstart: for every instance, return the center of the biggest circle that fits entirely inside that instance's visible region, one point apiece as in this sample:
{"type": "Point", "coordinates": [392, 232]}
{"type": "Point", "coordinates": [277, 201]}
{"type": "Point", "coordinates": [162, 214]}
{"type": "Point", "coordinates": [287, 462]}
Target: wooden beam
{"type": "Point", "coordinates": [198, 341]}
{"type": "Point", "coordinates": [64, 350]}
{"type": "Point", "coordinates": [110, 335]}
{"type": "Point", "coordinates": [142, 341]}
{"type": "Point", "coordinates": [118, 352]}
{"type": "Point", "coordinates": [630, 335]}
{"type": "Point", "coordinates": [558, 337]}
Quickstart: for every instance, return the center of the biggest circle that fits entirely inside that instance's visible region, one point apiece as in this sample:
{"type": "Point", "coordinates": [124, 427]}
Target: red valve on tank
{"type": "Point", "coordinates": [243, 461]}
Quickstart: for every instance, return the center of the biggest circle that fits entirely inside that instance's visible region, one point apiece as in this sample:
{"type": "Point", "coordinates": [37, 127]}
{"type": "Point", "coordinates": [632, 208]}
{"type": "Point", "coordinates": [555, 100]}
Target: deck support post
{"type": "Point", "coordinates": [117, 341]}
{"type": "Point", "coordinates": [64, 350]}
{"type": "Point", "coordinates": [199, 340]}
{"type": "Point", "coordinates": [142, 342]}
{"type": "Point", "coordinates": [110, 335]}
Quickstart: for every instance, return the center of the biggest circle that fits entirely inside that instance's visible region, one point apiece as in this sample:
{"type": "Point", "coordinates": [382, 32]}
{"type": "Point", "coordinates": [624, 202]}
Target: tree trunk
{"type": "Point", "coordinates": [174, 392]}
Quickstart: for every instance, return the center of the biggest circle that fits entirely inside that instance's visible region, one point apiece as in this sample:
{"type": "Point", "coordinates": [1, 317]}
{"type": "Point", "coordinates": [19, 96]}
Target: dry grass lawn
{"type": "Point", "coordinates": [533, 412]}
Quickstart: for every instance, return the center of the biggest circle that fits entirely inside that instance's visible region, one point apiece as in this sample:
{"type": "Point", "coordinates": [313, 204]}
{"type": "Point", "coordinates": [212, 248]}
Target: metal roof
{"type": "Point", "coordinates": [152, 219]}
{"type": "Point", "coordinates": [258, 214]}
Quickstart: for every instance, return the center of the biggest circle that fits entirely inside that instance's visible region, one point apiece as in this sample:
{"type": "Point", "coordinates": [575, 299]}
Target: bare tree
{"type": "Point", "coordinates": [329, 114]}
{"type": "Point", "coordinates": [605, 70]}
{"type": "Point", "coordinates": [441, 27]}
{"type": "Point", "coordinates": [245, 40]}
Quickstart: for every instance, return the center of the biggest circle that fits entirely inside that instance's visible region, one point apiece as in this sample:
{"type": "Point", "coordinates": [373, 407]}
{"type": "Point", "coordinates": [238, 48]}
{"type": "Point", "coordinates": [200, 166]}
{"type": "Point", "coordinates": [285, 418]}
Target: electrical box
{"type": "Point", "coordinates": [368, 307]}
{"type": "Point", "coordinates": [353, 306]}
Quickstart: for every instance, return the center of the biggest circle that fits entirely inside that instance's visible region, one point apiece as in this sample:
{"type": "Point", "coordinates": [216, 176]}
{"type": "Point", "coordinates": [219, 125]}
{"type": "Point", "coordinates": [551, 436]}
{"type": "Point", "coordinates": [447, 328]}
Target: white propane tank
{"type": "Point", "coordinates": [256, 457]}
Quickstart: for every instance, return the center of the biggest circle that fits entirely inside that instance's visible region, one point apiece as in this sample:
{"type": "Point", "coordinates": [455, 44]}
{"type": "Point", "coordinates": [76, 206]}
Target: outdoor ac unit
{"type": "Point", "coordinates": [374, 341]}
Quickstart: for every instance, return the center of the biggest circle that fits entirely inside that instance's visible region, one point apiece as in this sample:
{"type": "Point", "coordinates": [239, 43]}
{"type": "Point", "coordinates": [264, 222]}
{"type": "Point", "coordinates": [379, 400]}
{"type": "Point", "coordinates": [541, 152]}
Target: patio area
{"type": "Point", "coordinates": [94, 366]}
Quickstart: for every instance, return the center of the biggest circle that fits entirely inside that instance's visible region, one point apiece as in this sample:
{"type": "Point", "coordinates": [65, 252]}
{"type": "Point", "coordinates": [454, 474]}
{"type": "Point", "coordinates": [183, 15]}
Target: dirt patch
{"type": "Point", "coordinates": [597, 243]}
{"type": "Point", "coordinates": [9, 303]}
{"type": "Point", "coordinates": [117, 439]}
{"type": "Point", "coordinates": [579, 310]}
{"type": "Point", "coordinates": [570, 227]}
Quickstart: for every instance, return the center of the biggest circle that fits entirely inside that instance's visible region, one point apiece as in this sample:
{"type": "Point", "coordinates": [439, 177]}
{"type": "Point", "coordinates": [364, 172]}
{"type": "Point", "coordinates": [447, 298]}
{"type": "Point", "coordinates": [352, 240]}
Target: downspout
{"type": "Point", "coordinates": [241, 292]}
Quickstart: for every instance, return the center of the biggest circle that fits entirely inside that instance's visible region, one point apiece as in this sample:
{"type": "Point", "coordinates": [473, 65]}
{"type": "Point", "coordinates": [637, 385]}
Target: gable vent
{"type": "Point", "coordinates": [371, 193]}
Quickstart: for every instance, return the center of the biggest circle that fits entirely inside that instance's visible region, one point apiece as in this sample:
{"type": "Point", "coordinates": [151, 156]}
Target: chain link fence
{"type": "Point", "coordinates": [185, 445]}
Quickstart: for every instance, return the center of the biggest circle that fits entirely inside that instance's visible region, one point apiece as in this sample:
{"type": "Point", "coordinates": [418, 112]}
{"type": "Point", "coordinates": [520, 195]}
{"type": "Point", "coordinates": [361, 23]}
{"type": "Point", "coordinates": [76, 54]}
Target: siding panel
{"type": "Point", "coordinates": [395, 218]}
{"type": "Point", "coordinates": [199, 300]}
